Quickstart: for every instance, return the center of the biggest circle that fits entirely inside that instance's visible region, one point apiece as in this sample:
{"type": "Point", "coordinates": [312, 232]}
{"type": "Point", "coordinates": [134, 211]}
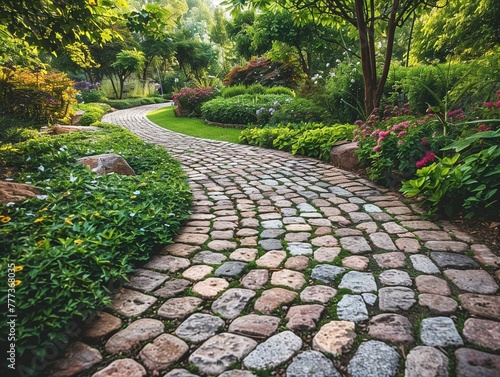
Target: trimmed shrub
{"type": "Point", "coordinates": [189, 100]}
{"type": "Point", "coordinates": [245, 109]}
{"type": "Point", "coordinates": [233, 91]}
{"type": "Point", "coordinates": [299, 110]}
{"type": "Point", "coordinates": [121, 104]}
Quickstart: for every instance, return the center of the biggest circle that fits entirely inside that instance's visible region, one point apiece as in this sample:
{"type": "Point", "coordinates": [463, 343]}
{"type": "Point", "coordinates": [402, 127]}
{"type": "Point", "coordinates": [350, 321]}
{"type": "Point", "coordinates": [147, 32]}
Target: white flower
{"type": "Point", "coordinates": [9, 179]}
{"type": "Point", "coordinates": [353, 81]}
{"type": "Point", "coordinates": [136, 192]}
{"type": "Point", "coordinates": [10, 204]}
{"type": "Point", "coordinates": [41, 197]}
{"type": "Point", "coordinates": [41, 168]}
{"type": "Point", "coordinates": [72, 178]}
{"type": "Point", "coordinates": [28, 159]}
{"type": "Point", "coordinates": [131, 214]}
{"type": "Point", "coordinates": [327, 65]}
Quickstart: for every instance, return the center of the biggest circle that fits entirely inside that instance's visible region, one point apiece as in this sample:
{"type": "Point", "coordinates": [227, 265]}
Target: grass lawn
{"type": "Point", "coordinates": [192, 126]}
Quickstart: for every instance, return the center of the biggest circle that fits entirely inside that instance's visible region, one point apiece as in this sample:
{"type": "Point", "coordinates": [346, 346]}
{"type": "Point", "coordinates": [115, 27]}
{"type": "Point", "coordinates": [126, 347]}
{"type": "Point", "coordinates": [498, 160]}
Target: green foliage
{"type": "Point", "coordinates": [189, 100]}
{"type": "Point", "coordinates": [84, 235]}
{"type": "Point", "coordinates": [308, 139]}
{"type": "Point", "coordinates": [262, 71]}
{"type": "Point", "coordinates": [238, 90]}
{"type": "Point", "coordinates": [299, 110]}
{"type": "Point", "coordinates": [241, 109]}
{"type": "Point", "coordinates": [233, 91]}
{"type": "Point", "coordinates": [36, 95]}
{"type": "Point", "coordinates": [94, 95]}
{"type": "Point", "coordinates": [133, 102]}
{"type": "Point", "coordinates": [469, 182]}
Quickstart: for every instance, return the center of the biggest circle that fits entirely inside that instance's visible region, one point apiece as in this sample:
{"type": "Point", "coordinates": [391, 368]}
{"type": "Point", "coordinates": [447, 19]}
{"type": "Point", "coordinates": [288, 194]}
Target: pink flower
{"type": "Point", "coordinates": [377, 148]}
{"type": "Point", "coordinates": [401, 134]}
{"type": "Point", "coordinates": [428, 158]}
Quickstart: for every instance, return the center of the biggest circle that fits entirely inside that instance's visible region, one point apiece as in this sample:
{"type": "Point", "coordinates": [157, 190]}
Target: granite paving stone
{"type": "Point", "coordinates": [352, 308]}
{"type": "Point", "coordinates": [453, 260]}
{"type": "Point", "coordinates": [391, 327]}
{"type": "Point", "coordinates": [393, 299]}
{"type": "Point", "coordinates": [438, 304]}
{"type": "Point", "coordinates": [274, 226]}
{"type": "Point", "coordinates": [163, 352]}
{"type": "Point", "coordinates": [374, 358]}
{"type": "Point", "coordinates": [129, 339]}
{"type": "Point", "coordinates": [359, 282]}
{"type": "Point", "coordinates": [179, 307]}
{"type": "Point", "coordinates": [221, 351]}
{"type": "Point", "coordinates": [273, 352]}
{"type": "Point", "coordinates": [326, 272]}
{"type": "Point", "coordinates": [311, 363]}
{"type": "Point", "coordinates": [475, 281]}
{"type": "Point", "coordinates": [484, 333]}
{"type": "Point", "coordinates": [255, 279]}
{"type": "Point", "coordinates": [439, 332]}
{"type": "Point", "coordinates": [199, 327]}
{"type": "Point", "coordinates": [131, 303]}
{"type": "Point", "coordinates": [335, 338]}
{"type": "Point", "coordinates": [395, 277]}
{"type": "Point", "coordinates": [472, 363]}
{"type": "Point", "coordinates": [425, 361]}
{"type": "Point", "coordinates": [255, 326]}
{"type": "Point", "coordinates": [433, 285]}
{"type": "Point", "coordinates": [173, 288]}
{"type": "Point", "coordinates": [122, 367]}
{"type": "Point", "coordinates": [232, 302]}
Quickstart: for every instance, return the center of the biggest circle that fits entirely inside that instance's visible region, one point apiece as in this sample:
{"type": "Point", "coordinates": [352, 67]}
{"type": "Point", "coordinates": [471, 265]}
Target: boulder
{"type": "Point", "coordinates": [16, 192]}
{"type": "Point", "coordinates": [108, 163]}
{"type": "Point", "coordinates": [343, 156]}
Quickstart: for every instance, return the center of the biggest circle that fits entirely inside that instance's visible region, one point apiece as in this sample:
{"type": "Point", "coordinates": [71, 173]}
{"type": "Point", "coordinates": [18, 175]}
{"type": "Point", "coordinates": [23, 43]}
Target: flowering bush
{"type": "Point", "coordinates": [189, 100]}
{"type": "Point", "coordinates": [41, 96]}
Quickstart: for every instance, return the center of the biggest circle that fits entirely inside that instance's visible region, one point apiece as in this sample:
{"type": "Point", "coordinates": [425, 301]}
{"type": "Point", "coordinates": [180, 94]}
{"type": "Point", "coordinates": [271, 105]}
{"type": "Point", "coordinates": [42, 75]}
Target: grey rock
{"type": "Point", "coordinates": [199, 327]}
{"type": "Point", "coordinates": [272, 233]}
{"type": "Point", "coordinates": [355, 245]}
{"type": "Point", "coordinates": [230, 304]}
{"type": "Point", "coordinates": [374, 358]}
{"type": "Point", "coordinates": [220, 352]}
{"type": "Point", "coordinates": [326, 272]}
{"type": "Point", "coordinates": [208, 257]}
{"type": "Point", "coordinates": [271, 244]}
{"type": "Point", "coordinates": [359, 282]}
{"type": "Point", "coordinates": [369, 298]}
{"type": "Point", "coordinates": [275, 351]}
{"type": "Point", "coordinates": [177, 372]}
{"type": "Point", "coordinates": [230, 269]}
{"type": "Point", "coordinates": [172, 288]}
{"type": "Point", "coordinates": [439, 332]}
{"type": "Point", "coordinates": [311, 364]}
{"type": "Point", "coordinates": [352, 308]}
{"type": "Point", "coordinates": [300, 248]}
{"type": "Point", "coordinates": [473, 363]}
{"type": "Point", "coordinates": [423, 264]}
{"type": "Point", "coordinates": [453, 260]}
{"type": "Point", "coordinates": [395, 277]}
{"type": "Point", "coordinates": [393, 299]}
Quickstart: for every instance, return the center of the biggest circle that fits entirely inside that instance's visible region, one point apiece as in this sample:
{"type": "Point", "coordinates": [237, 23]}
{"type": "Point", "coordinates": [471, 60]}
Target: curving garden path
{"type": "Point", "coordinates": [291, 267]}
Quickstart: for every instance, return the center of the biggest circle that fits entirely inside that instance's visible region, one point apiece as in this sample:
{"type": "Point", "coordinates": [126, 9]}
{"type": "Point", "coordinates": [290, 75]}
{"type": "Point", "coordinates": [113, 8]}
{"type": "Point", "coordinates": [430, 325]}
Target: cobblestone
{"type": "Point", "coordinates": [263, 218]}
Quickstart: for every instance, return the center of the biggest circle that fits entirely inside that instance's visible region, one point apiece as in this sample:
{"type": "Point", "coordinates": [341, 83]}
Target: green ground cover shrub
{"type": "Point", "coordinates": [72, 244]}
{"type": "Point", "coordinates": [133, 102]}
{"type": "Point", "coordinates": [308, 139]}
{"type": "Point", "coordinates": [243, 109]}
{"type": "Point", "coordinates": [238, 90]}
{"type": "Point", "coordinates": [299, 110]}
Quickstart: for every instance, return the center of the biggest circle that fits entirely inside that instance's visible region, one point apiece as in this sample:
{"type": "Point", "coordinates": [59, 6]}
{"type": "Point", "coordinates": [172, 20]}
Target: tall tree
{"type": "Point", "coordinates": [374, 20]}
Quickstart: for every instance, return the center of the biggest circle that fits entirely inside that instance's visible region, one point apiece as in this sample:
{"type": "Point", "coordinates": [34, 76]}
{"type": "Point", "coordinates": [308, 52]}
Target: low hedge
{"type": "Point", "coordinates": [242, 109]}
{"type": "Point", "coordinates": [72, 244]}
{"type": "Point", "coordinates": [121, 104]}
{"type": "Point", "coordinates": [309, 139]}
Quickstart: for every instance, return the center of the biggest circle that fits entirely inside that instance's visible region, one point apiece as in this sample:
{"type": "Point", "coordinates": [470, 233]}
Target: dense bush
{"type": "Point", "coordinates": [237, 90]}
{"type": "Point", "coordinates": [233, 91]}
{"type": "Point", "coordinates": [133, 102]}
{"type": "Point", "coordinates": [189, 100]}
{"type": "Point", "coordinates": [71, 244]}
{"type": "Point", "coordinates": [263, 71]}
{"type": "Point", "coordinates": [243, 109]}
{"type": "Point", "coordinates": [36, 95]}
{"type": "Point", "coordinates": [89, 92]}
{"type": "Point", "coordinates": [299, 110]}
{"type": "Point", "coordinates": [308, 139]}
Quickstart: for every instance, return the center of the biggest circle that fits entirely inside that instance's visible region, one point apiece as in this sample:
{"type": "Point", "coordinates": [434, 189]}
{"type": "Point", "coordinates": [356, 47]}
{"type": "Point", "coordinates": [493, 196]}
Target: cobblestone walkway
{"type": "Point", "coordinates": [291, 267]}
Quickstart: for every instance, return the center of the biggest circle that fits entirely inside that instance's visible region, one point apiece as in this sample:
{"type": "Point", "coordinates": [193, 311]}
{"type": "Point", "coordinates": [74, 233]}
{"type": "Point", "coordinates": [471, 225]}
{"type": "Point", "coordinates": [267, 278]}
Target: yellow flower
{"type": "Point", "coordinates": [96, 214]}
{"type": "Point", "coordinates": [44, 209]}
{"type": "Point", "coordinates": [18, 268]}
{"type": "Point", "coordinates": [16, 283]}
{"type": "Point", "coordinates": [68, 221]}
{"type": "Point", "coordinates": [40, 243]}
{"type": "Point", "coordinates": [133, 197]}
{"type": "Point", "coordinates": [143, 184]}
{"type": "Point", "coordinates": [5, 219]}
{"type": "Point", "coordinates": [40, 219]}
{"type": "Point", "coordinates": [78, 242]}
